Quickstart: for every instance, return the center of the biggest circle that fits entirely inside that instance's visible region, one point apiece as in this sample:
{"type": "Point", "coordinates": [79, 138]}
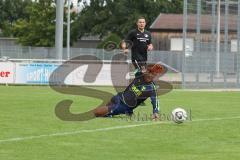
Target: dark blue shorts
{"type": "Point", "coordinates": [117, 107]}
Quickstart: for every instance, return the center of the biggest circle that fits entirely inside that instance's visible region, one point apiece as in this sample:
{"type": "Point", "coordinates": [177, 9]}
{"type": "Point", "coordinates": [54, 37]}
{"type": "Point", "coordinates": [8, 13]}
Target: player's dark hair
{"type": "Point", "coordinates": [141, 17]}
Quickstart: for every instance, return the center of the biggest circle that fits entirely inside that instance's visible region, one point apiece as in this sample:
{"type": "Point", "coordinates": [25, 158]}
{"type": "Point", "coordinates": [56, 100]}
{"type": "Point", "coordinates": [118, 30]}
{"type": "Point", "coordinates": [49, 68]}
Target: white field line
{"type": "Point", "coordinates": [105, 129]}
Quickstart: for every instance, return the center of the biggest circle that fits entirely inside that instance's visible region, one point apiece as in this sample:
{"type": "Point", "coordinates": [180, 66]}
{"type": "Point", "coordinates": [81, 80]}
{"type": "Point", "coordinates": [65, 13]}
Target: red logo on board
{"type": "Point", "coordinates": [4, 74]}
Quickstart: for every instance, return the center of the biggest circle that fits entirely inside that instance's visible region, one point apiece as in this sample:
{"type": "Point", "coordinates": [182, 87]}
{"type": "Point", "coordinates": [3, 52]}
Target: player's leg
{"type": "Point", "coordinates": [114, 107]}
{"type": "Point", "coordinates": [140, 67]}
{"type": "Point", "coordinates": [134, 62]}
{"type": "Point", "coordinates": [137, 71]}
{"type": "Point", "coordinates": [120, 108]}
{"type": "Point", "coordinates": [110, 109]}
{"type": "Point", "coordinates": [143, 66]}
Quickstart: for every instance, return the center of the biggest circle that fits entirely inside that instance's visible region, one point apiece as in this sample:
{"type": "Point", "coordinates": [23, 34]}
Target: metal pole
{"type": "Point", "coordinates": [238, 43]}
{"type": "Point", "coordinates": [184, 41]}
{"type": "Point", "coordinates": [213, 26]}
{"type": "Point", "coordinates": [218, 40]}
{"type": "Point", "coordinates": [226, 27]}
{"type": "Point", "coordinates": [197, 57]}
{"type": "Point", "coordinates": [198, 27]}
{"type": "Point", "coordinates": [68, 30]}
{"type": "Point", "coordinates": [59, 29]}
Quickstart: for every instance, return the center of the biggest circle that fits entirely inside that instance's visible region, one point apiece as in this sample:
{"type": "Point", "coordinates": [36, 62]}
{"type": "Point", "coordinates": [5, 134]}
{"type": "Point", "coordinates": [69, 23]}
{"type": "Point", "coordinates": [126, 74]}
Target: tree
{"type": "Point", "coordinates": [39, 29]}
{"type": "Point", "coordinates": [113, 40]}
{"type": "Point", "coordinates": [102, 17]}
{"type": "Point", "coordinates": [11, 11]}
{"type": "Point", "coordinates": [35, 26]}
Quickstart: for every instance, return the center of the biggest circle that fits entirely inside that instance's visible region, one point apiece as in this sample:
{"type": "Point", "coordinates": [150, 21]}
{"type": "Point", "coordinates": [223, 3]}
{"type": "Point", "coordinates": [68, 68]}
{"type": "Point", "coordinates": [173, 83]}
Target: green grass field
{"type": "Point", "coordinates": [31, 131]}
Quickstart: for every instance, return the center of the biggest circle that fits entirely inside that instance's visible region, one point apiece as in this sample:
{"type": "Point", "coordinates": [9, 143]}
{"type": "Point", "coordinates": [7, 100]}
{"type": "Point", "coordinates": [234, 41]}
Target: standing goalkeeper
{"type": "Point", "coordinates": [139, 40]}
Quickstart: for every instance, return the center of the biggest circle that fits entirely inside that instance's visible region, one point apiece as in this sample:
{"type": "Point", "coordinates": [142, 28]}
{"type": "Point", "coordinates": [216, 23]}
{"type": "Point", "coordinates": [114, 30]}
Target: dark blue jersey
{"type": "Point", "coordinates": [138, 91]}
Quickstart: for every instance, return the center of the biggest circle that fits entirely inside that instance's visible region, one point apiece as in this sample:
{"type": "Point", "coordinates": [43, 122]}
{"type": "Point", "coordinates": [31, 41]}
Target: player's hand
{"type": "Point", "coordinates": [150, 47]}
{"type": "Point", "coordinates": [155, 116]}
{"type": "Point", "coordinates": [125, 51]}
{"type": "Point", "coordinates": [143, 69]}
{"type": "Point", "coordinates": [123, 46]}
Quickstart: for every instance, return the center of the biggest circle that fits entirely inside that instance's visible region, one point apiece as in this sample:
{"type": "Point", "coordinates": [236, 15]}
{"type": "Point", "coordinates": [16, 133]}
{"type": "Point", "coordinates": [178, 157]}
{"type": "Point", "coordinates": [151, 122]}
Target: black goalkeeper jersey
{"type": "Point", "coordinates": [140, 41]}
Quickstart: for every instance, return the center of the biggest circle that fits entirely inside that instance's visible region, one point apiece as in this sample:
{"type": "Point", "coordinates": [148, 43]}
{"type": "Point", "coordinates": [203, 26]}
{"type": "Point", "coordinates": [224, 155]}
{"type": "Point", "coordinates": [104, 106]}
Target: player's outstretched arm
{"type": "Point", "coordinates": [155, 104]}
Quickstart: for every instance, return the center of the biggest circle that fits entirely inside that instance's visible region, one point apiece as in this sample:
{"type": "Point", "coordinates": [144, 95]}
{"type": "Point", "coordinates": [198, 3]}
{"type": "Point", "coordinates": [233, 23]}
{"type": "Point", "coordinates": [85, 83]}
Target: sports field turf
{"type": "Point", "coordinates": [31, 131]}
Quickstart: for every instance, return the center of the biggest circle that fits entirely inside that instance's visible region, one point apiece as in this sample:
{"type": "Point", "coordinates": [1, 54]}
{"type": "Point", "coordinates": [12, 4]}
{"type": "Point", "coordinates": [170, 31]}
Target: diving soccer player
{"type": "Point", "coordinates": [141, 88]}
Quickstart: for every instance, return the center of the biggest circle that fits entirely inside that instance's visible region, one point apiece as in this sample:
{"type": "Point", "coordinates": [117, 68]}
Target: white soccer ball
{"type": "Point", "coordinates": [179, 115]}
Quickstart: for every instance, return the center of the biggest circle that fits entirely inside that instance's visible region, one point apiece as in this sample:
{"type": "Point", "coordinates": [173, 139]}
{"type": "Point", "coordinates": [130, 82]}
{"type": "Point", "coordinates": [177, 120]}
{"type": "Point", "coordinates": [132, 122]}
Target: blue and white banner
{"type": "Point", "coordinates": [39, 73]}
{"type": "Point", "coordinates": [34, 73]}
